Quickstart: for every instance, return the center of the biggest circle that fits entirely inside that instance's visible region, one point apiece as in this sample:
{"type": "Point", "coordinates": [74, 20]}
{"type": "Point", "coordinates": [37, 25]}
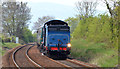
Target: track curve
{"type": "Point", "coordinates": [21, 59]}
{"type": "Point", "coordinates": [69, 63]}
{"type": "Point", "coordinates": [29, 56]}
{"type": "Point", "coordinates": [31, 59]}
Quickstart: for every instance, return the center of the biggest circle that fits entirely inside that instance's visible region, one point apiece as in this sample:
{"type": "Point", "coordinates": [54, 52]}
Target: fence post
{"type": "Point", "coordinates": [17, 40]}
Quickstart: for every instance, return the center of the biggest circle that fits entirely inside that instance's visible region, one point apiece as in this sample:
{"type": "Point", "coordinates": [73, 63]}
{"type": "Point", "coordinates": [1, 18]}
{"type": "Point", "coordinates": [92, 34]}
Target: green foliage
{"type": "Point", "coordinates": [96, 29]}
{"type": "Point", "coordinates": [9, 46]}
{"type": "Point", "coordinates": [95, 39]}
{"type": "Point", "coordinates": [8, 39]}
{"type": "Point", "coordinates": [35, 37]}
{"type": "Point", "coordinates": [72, 22]}
{"type": "Point", "coordinates": [15, 16]}
{"type": "Point", "coordinates": [27, 36]}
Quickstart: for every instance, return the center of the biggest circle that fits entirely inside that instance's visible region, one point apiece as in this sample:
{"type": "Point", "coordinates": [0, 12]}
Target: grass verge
{"type": "Point", "coordinates": [8, 46]}
{"type": "Point", "coordinates": [94, 53]}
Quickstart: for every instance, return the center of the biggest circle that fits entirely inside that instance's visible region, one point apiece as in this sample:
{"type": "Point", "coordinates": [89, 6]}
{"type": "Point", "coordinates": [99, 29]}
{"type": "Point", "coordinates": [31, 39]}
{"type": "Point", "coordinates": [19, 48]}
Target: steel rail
{"type": "Point", "coordinates": [66, 66]}
{"type": "Point", "coordinates": [16, 50]}
{"type": "Point", "coordinates": [79, 63]}
{"type": "Point", "coordinates": [13, 56]}
{"type": "Point", "coordinates": [38, 65]}
{"type": "Point", "coordinates": [72, 61]}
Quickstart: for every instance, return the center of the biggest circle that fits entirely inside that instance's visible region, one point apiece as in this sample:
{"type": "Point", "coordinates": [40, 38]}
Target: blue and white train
{"type": "Point", "coordinates": [55, 39]}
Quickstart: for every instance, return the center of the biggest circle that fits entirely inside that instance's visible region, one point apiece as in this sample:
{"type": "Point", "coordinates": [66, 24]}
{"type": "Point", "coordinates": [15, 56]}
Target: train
{"type": "Point", "coordinates": [55, 39]}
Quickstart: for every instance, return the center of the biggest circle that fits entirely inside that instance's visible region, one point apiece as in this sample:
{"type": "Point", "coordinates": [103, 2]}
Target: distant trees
{"type": "Point", "coordinates": [99, 29]}
{"type": "Point", "coordinates": [27, 36]}
{"type": "Point", "coordinates": [15, 17]}
{"type": "Point", "coordinates": [72, 22]}
{"type": "Point", "coordinates": [113, 6]}
{"type": "Point", "coordinates": [86, 8]}
{"type": "Point", "coordinates": [41, 21]}
{"type": "Point", "coordinates": [39, 24]}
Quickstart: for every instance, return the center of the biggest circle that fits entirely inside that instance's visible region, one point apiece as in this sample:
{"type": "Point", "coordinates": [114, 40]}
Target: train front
{"type": "Point", "coordinates": [58, 40]}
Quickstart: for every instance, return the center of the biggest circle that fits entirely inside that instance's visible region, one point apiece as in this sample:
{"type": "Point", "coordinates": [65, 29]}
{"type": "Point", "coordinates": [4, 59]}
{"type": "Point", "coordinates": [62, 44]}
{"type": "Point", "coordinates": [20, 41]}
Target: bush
{"type": "Point", "coordinates": [6, 40]}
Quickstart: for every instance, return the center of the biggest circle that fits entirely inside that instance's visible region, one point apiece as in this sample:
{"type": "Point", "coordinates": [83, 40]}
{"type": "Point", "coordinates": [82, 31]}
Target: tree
{"type": "Point", "coordinates": [15, 17]}
{"type": "Point", "coordinates": [86, 8]}
{"type": "Point", "coordinates": [111, 5]}
{"type": "Point", "coordinates": [27, 36]}
{"type": "Point", "coordinates": [41, 21]}
{"type": "Point", "coordinates": [72, 22]}
{"type": "Point", "coordinates": [34, 37]}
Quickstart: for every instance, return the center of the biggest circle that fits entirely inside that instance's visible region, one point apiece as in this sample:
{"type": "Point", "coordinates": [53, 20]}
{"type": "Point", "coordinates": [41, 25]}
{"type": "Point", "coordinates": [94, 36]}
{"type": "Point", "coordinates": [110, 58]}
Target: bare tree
{"type": "Point", "coordinates": [111, 5]}
{"type": "Point", "coordinates": [41, 21]}
{"type": "Point", "coordinates": [86, 8]}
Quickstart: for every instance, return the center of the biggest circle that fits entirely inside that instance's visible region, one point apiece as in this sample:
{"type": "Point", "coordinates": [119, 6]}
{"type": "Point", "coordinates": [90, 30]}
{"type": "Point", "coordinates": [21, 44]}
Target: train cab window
{"type": "Point", "coordinates": [53, 39]}
{"type": "Point", "coordinates": [64, 39]}
{"type": "Point", "coordinates": [58, 28]}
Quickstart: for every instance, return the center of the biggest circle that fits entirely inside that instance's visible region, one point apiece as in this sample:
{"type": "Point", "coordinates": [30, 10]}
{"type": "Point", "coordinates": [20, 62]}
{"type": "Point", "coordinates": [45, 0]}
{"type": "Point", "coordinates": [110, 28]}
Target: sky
{"type": "Point", "coordinates": [60, 9]}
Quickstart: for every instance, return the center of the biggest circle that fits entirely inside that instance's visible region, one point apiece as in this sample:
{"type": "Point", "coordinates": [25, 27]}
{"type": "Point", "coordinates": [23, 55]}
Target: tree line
{"type": "Point", "coordinates": [102, 28]}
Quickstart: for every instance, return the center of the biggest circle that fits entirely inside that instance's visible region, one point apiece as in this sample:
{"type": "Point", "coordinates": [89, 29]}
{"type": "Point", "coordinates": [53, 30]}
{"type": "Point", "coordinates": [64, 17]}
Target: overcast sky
{"type": "Point", "coordinates": [60, 9]}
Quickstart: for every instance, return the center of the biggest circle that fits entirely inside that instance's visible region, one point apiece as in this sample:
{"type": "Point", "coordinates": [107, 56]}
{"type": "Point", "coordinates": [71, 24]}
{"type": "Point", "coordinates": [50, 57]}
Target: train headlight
{"type": "Point", "coordinates": [68, 45]}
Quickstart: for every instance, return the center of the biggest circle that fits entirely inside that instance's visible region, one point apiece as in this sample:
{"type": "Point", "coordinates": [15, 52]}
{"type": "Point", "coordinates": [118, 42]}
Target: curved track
{"type": "Point", "coordinates": [22, 57]}
{"type": "Point", "coordinates": [72, 64]}
{"type": "Point", "coordinates": [31, 59]}
{"type": "Point", "coordinates": [69, 63]}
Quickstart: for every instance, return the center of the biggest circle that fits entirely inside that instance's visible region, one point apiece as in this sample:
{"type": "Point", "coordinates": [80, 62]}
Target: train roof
{"type": "Point", "coordinates": [55, 22]}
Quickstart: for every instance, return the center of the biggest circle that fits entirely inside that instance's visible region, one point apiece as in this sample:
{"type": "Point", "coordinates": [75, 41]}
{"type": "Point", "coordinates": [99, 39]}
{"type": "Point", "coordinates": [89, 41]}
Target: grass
{"type": "Point", "coordinates": [9, 46]}
{"type": "Point", "coordinates": [94, 53]}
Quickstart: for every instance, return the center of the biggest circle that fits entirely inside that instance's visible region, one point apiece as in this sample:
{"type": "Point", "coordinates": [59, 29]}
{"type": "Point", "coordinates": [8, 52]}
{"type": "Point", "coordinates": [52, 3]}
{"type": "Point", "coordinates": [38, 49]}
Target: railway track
{"type": "Point", "coordinates": [70, 63]}
{"type": "Point", "coordinates": [21, 59]}
{"type": "Point", "coordinates": [34, 61]}
{"type": "Point", "coordinates": [37, 65]}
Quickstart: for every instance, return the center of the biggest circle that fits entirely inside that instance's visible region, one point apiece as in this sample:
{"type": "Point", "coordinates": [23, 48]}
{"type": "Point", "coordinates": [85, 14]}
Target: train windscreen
{"type": "Point", "coordinates": [58, 28]}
